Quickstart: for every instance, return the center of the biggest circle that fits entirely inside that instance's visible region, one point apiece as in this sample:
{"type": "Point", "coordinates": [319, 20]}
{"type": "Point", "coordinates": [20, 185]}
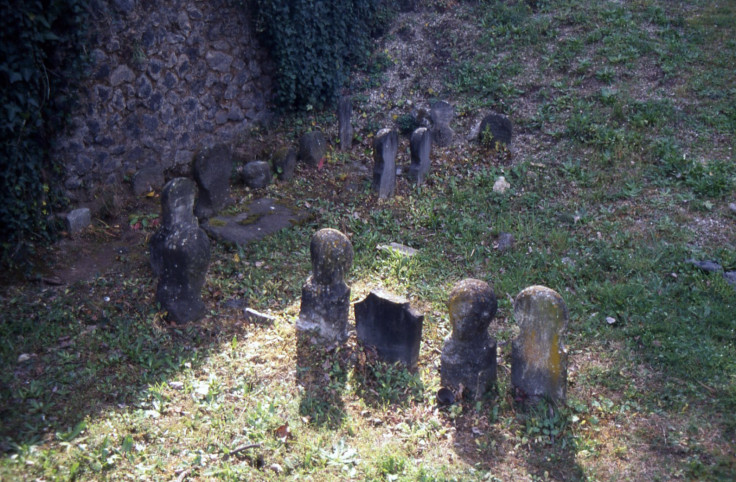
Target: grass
{"type": "Point", "coordinates": [622, 168]}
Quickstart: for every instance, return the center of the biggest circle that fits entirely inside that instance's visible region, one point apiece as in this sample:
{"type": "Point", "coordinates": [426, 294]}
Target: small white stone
{"type": "Point", "coordinates": [501, 185]}
{"type": "Point", "coordinates": [610, 320]}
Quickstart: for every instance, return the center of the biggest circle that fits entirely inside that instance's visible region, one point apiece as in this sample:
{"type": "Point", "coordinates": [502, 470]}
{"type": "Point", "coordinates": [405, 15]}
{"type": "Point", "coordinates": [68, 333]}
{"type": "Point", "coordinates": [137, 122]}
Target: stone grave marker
{"type": "Point", "coordinates": [177, 204]}
{"type": "Point", "coordinates": [344, 112]}
{"type": "Point", "coordinates": [180, 254]}
{"type": "Point", "coordinates": [469, 355]}
{"type": "Point", "coordinates": [420, 144]}
{"type": "Point", "coordinates": [312, 148]}
{"type": "Point", "coordinates": [385, 146]}
{"type": "Point", "coordinates": [77, 220]}
{"type": "Point", "coordinates": [538, 355]}
{"type": "Point", "coordinates": [325, 296]}
{"type": "Point", "coordinates": [390, 324]}
{"type": "Point", "coordinates": [256, 174]}
{"type": "Point", "coordinates": [495, 131]}
{"type": "Point", "coordinates": [442, 114]}
{"type": "Point", "coordinates": [284, 163]}
{"type": "Point", "coordinates": [212, 169]}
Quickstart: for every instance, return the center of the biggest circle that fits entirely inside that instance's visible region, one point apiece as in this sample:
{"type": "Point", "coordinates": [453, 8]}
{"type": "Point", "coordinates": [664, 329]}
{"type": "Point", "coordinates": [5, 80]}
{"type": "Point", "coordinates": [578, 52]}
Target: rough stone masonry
{"type": "Point", "coordinates": [165, 78]}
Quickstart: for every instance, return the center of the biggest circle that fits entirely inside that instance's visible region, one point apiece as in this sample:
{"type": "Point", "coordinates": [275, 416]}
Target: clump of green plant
{"type": "Point", "coordinates": [406, 123]}
{"type": "Point", "coordinates": [41, 44]}
{"type": "Point", "coordinates": [314, 44]}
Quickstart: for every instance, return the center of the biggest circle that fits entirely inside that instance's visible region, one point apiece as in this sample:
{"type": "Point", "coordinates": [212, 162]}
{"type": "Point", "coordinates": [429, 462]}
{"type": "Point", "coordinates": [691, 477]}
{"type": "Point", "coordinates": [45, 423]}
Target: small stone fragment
{"type": "Point", "coordinates": [256, 174]}
{"type": "Point", "coordinates": [505, 241]}
{"type": "Point", "coordinates": [501, 185]}
{"type": "Point", "coordinates": [78, 220]}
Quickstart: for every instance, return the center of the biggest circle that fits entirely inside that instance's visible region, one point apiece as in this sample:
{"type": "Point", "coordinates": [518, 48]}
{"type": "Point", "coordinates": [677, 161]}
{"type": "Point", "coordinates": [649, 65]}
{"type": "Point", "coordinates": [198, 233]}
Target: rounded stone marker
{"type": "Point", "coordinates": [325, 296]}
{"type": "Point", "coordinates": [469, 355]}
{"type": "Point", "coordinates": [538, 356]}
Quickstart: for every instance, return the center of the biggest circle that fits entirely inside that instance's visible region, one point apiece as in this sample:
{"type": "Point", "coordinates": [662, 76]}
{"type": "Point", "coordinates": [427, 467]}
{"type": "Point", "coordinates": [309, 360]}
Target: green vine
{"type": "Point", "coordinates": [41, 45]}
{"type": "Point", "coordinates": [314, 43]}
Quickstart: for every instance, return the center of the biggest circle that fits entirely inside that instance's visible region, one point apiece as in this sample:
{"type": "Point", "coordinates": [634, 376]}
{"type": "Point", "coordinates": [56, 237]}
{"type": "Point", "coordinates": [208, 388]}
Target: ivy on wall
{"type": "Point", "coordinates": [41, 47]}
{"type": "Point", "coordinates": [314, 43]}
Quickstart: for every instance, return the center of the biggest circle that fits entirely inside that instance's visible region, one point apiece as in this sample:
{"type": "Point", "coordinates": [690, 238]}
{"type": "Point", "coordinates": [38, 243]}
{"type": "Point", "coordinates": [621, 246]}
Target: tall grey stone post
{"type": "Point", "coordinates": [442, 114]}
{"type": "Point", "coordinates": [344, 112]}
{"type": "Point", "coordinates": [180, 254]}
{"type": "Point", "coordinates": [325, 296]}
{"type": "Point", "coordinates": [385, 146]}
{"type": "Point", "coordinates": [538, 355]}
{"type": "Point", "coordinates": [469, 355]}
{"type": "Point", "coordinates": [421, 144]}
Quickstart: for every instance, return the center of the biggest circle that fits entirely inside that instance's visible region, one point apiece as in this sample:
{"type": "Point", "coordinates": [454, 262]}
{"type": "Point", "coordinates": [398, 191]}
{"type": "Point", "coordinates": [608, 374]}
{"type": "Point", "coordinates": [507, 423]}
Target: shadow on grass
{"type": "Point", "coordinates": [74, 352]}
{"type": "Point", "coordinates": [322, 375]}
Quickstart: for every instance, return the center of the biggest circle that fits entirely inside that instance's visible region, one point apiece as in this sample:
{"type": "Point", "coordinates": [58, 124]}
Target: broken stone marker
{"type": "Point", "coordinates": [344, 112]}
{"type": "Point", "coordinates": [538, 355]}
{"type": "Point", "coordinates": [325, 295]}
{"type": "Point", "coordinates": [389, 323]}
{"type": "Point", "coordinates": [385, 146]}
{"type": "Point", "coordinates": [212, 169]}
{"type": "Point", "coordinates": [256, 174]}
{"type": "Point", "coordinates": [469, 355]}
{"type": "Point", "coordinates": [77, 220]}
{"type": "Point", "coordinates": [180, 253]}
{"type": "Point", "coordinates": [421, 144]}
{"type": "Point", "coordinates": [284, 163]}
{"type": "Point", "coordinates": [177, 203]}
{"type": "Point", "coordinates": [442, 113]}
{"type": "Point", "coordinates": [495, 130]}
{"type": "Point", "coordinates": [312, 148]}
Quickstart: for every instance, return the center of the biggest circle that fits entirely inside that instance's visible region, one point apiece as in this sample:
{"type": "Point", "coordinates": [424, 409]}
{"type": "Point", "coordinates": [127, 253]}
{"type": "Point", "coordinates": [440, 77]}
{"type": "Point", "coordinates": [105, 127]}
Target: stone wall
{"type": "Point", "coordinates": [166, 78]}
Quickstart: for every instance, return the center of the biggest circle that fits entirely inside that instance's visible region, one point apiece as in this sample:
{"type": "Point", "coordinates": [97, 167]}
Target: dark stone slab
{"type": "Point", "coordinates": [344, 112]}
{"type": "Point", "coordinates": [421, 144]}
{"type": "Point", "coordinates": [538, 355]}
{"type": "Point", "coordinates": [388, 323]}
{"type": "Point", "coordinates": [312, 148]}
{"type": "Point", "coordinates": [385, 146]}
{"type": "Point", "coordinates": [730, 277]}
{"type": "Point", "coordinates": [263, 217]}
{"type": "Point", "coordinates": [442, 114]}
{"type": "Point", "coordinates": [468, 361]}
{"type": "Point", "coordinates": [495, 130]}
{"type": "Point", "coordinates": [212, 169]}
{"type": "Point", "coordinates": [325, 296]}
{"type": "Point", "coordinates": [284, 163]}
{"type": "Point", "coordinates": [707, 266]}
